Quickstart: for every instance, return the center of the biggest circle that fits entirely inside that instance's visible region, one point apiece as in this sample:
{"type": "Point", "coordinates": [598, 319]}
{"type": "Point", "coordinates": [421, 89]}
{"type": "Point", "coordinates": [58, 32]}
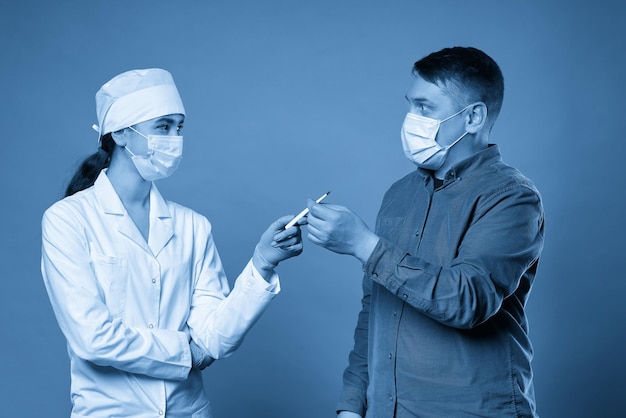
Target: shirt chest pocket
{"type": "Point", "coordinates": [390, 228]}
{"type": "Point", "coordinates": [112, 277]}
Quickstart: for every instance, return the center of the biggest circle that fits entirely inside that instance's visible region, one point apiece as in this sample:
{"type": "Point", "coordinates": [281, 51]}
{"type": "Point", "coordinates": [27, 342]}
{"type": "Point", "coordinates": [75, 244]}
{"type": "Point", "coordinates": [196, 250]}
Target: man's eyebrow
{"type": "Point", "coordinates": [416, 99]}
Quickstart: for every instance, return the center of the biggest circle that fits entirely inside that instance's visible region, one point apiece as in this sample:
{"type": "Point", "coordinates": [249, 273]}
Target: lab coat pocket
{"type": "Point", "coordinates": [112, 276]}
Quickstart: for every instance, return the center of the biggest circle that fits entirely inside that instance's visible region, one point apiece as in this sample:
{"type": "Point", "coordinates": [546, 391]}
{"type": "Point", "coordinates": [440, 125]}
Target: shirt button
{"type": "Point", "coordinates": [391, 398]}
{"type": "Point", "coordinates": [153, 280]}
{"type": "Point", "coordinates": [390, 356]}
{"type": "Point", "coordinates": [405, 296]}
{"type": "Point", "coordinates": [374, 275]}
{"type": "Point", "coordinates": [417, 233]}
{"type": "Point", "coordinates": [150, 326]}
{"type": "Point", "coordinates": [160, 412]}
{"type": "Point", "coordinates": [395, 314]}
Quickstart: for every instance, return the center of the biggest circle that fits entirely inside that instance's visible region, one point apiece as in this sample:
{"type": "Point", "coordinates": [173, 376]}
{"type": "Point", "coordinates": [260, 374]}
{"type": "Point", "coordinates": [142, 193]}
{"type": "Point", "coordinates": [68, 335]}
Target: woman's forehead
{"type": "Point", "coordinates": [175, 118]}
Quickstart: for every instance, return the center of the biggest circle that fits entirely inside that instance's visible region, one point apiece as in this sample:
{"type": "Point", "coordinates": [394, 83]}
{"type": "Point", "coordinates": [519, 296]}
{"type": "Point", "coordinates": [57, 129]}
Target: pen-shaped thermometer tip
{"type": "Point", "coordinates": [322, 197]}
{"type": "Point", "coordinates": [305, 212]}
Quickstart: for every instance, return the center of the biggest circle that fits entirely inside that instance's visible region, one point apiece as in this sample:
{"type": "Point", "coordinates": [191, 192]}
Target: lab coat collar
{"type": "Point", "coordinates": [161, 228]}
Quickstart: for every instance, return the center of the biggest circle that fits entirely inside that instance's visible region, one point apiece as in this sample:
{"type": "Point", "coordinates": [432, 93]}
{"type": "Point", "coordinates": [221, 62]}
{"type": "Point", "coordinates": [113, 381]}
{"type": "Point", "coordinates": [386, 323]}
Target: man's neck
{"type": "Point", "coordinates": [462, 150]}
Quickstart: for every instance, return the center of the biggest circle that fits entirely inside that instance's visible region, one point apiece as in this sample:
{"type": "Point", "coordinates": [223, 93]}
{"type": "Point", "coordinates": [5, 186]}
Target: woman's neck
{"type": "Point", "coordinates": [134, 192]}
{"type": "Point", "coordinates": [132, 189]}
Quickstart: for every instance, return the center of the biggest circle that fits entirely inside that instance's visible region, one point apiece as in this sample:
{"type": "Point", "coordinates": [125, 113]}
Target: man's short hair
{"type": "Point", "coordinates": [466, 73]}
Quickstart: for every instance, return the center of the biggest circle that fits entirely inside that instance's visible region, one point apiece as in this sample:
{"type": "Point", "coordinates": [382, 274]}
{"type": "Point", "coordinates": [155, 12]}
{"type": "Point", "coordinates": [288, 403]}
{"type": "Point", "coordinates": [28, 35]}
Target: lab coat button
{"type": "Point", "coordinates": [153, 280]}
{"type": "Point", "coordinates": [150, 326]}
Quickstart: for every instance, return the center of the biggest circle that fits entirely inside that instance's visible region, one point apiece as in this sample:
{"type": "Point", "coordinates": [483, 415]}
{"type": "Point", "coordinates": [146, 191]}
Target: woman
{"type": "Point", "coordinates": [135, 281]}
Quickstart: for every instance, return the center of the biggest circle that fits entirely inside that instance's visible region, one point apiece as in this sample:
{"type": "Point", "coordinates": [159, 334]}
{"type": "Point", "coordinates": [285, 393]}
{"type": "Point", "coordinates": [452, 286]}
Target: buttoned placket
{"type": "Point", "coordinates": [423, 216]}
{"type": "Point", "coordinates": [154, 292]}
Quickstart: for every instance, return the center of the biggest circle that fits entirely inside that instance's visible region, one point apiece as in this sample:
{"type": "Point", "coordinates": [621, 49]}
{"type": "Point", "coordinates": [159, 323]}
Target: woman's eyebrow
{"type": "Point", "coordinates": [168, 120]}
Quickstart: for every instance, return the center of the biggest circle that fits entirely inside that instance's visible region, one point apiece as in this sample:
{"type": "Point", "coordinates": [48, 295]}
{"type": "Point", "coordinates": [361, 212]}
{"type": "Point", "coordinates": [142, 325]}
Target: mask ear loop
{"type": "Point", "coordinates": [457, 113]}
{"type": "Point", "coordinates": [150, 152]}
{"type": "Point", "coordinates": [136, 131]}
{"type": "Point", "coordinates": [450, 117]}
{"type": "Point", "coordinates": [458, 139]}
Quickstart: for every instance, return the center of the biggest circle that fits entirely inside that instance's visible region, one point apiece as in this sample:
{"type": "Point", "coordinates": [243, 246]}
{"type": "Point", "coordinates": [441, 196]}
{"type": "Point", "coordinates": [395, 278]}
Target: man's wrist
{"type": "Point", "coordinates": [366, 247]}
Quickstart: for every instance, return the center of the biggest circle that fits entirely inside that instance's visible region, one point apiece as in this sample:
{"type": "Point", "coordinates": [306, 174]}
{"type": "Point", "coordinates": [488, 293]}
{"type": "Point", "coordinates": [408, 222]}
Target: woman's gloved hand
{"type": "Point", "coordinates": [199, 358]}
{"type": "Point", "coordinates": [277, 244]}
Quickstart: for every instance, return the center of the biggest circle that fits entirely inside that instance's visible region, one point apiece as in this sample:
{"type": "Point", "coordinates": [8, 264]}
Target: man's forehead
{"type": "Point", "coordinates": [421, 89]}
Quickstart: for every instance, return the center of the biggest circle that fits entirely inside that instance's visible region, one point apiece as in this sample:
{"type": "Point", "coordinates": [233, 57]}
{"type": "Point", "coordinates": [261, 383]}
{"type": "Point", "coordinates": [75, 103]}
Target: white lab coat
{"type": "Point", "coordinates": [129, 308]}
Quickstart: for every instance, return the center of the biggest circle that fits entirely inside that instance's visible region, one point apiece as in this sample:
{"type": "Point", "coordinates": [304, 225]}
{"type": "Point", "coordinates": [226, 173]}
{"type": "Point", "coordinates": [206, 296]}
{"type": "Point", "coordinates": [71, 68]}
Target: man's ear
{"type": "Point", "coordinates": [476, 118]}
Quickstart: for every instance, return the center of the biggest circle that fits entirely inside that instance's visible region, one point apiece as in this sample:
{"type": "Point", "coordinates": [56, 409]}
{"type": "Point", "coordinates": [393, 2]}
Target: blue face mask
{"type": "Point", "coordinates": [418, 140]}
{"type": "Point", "coordinates": [163, 156]}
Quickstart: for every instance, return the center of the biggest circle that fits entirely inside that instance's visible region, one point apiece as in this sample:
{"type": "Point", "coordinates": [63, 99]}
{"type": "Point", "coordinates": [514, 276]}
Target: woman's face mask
{"type": "Point", "coordinates": [418, 140]}
{"type": "Point", "coordinates": [162, 158]}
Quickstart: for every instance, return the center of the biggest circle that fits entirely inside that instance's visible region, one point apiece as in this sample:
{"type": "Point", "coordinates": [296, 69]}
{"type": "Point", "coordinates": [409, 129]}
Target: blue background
{"type": "Point", "coordinates": [289, 99]}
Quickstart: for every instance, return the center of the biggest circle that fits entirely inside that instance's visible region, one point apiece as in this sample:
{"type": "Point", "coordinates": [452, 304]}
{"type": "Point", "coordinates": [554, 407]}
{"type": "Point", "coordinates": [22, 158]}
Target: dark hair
{"type": "Point", "coordinates": [468, 72]}
{"type": "Point", "coordinates": [91, 166]}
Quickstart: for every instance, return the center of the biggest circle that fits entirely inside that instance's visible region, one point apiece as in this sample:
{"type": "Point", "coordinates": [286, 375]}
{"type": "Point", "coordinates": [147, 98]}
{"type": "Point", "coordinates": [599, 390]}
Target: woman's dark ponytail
{"type": "Point", "coordinates": [90, 168]}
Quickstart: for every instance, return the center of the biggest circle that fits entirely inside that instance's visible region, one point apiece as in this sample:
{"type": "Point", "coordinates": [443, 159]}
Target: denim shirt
{"type": "Point", "coordinates": [442, 331]}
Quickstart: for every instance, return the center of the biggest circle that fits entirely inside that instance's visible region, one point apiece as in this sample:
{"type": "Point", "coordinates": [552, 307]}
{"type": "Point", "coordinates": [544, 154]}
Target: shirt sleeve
{"type": "Point", "coordinates": [502, 243]}
{"type": "Point", "coordinates": [355, 377]}
{"type": "Point", "coordinates": [92, 333]}
{"type": "Point", "coordinates": [219, 319]}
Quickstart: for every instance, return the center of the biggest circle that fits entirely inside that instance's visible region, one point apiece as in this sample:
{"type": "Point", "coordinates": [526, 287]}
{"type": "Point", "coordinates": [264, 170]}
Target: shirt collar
{"type": "Point", "coordinates": [485, 156]}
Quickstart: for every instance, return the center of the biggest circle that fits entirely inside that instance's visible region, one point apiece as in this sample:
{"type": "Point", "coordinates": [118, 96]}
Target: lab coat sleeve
{"type": "Point", "coordinates": [92, 333]}
{"type": "Point", "coordinates": [219, 318]}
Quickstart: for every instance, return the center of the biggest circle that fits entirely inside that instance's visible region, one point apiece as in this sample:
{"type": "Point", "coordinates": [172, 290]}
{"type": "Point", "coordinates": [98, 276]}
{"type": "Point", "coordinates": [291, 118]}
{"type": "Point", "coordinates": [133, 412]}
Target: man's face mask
{"type": "Point", "coordinates": [418, 140]}
{"type": "Point", "coordinates": [163, 156]}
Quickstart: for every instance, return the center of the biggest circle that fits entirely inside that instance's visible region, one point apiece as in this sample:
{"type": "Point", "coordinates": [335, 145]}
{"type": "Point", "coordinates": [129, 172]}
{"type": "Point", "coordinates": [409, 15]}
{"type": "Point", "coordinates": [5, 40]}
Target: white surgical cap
{"type": "Point", "coordinates": [136, 96]}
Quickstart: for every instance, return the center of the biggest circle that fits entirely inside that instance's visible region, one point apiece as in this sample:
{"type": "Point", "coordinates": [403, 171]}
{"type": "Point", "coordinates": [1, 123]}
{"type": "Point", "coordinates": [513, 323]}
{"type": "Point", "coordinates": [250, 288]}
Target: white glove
{"type": "Point", "coordinates": [277, 244]}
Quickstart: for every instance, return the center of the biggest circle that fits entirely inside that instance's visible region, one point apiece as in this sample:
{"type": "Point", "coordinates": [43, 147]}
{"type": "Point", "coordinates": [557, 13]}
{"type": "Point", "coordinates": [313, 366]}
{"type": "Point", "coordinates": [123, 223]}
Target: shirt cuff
{"type": "Point", "coordinates": [382, 265]}
{"type": "Point", "coordinates": [353, 400]}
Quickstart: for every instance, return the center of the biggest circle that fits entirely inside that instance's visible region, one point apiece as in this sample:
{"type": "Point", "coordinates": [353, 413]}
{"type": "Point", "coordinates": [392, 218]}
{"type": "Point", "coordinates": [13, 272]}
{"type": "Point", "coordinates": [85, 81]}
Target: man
{"type": "Point", "coordinates": [442, 331]}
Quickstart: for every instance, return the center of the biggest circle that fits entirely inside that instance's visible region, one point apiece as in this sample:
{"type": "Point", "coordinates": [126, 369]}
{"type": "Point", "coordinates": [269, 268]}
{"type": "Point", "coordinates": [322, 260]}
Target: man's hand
{"type": "Point", "coordinates": [348, 414]}
{"type": "Point", "coordinates": [340, 230]}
